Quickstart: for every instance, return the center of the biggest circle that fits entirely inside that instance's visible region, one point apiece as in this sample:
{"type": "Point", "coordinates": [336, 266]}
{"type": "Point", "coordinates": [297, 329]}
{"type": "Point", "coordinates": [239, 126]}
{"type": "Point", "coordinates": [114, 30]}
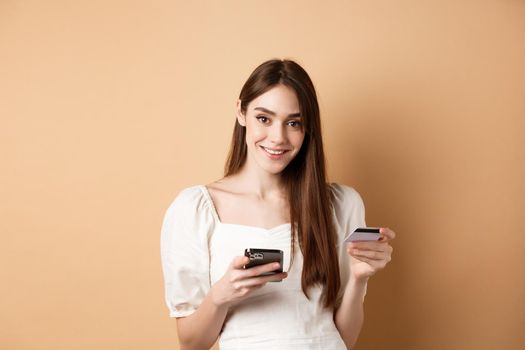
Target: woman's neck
{"type": "Point", "coordinates": [259, 183]}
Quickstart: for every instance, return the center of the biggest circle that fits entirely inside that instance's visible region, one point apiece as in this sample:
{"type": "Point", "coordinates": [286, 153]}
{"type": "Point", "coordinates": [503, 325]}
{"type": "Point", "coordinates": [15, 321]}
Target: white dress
{"type": "Point", "coordinates": [197, 248]}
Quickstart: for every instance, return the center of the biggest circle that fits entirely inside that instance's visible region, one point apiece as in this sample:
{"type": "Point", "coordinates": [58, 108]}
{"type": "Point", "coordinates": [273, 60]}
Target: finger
{"type": "Point", "coordinates": [276, 277]}
{"type": "Point", "coordinates": [262, 280]}
{"type": "Point", "coordinates": [386, 234]}
{"type": "Point", "coordinates": [369, 254]}
{"type": "Point", "coordinates": [375, 264]}
{"type": "Point", "coordinates": [258, 270]}
{"type": "Point", "coordinates": [259, 281]}
{"type": "Point", "coordinates": [242, 292]}
{"type": "Point", "coordinates": [239, 261]}
{"type": "Point", "coordinates": [376, 246]}
{"type": "Point", "coordinates": [250, 289]}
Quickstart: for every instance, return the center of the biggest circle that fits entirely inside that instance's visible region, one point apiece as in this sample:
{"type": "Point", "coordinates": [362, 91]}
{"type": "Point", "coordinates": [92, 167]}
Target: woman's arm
{"type": "Point", "coordinates": [349, 315]}
{"type": "Point", "coordinates": [366, 258]}
{"type": "Point", "coordinates": [201, 329]}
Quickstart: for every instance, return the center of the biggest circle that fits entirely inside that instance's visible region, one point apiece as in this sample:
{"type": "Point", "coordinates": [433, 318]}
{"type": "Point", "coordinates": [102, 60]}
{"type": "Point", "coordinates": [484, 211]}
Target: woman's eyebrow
{"type": "Point", "coordinates": [262, 109]}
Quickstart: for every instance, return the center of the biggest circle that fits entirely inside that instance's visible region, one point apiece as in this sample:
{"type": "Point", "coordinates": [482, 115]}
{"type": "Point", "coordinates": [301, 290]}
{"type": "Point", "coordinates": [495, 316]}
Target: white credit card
{"type": "Point", "coordinates": [364, 234]}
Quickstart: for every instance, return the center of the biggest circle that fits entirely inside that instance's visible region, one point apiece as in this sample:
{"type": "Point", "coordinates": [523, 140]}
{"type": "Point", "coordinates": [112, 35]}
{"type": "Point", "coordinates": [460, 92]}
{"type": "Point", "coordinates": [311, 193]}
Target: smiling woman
{"type": "Point", "coordinates": [273, 129]}
{"type": "Point", "coordinates": [273, 195]}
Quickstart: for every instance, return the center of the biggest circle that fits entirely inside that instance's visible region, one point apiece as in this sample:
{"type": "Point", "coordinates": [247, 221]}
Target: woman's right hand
{"type": "Point", "coordinates": [238, 283]}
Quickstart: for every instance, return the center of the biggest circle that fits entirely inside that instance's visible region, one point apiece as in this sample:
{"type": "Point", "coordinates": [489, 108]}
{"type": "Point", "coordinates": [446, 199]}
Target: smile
{"type": "Point", "coordinates": [274, 151]}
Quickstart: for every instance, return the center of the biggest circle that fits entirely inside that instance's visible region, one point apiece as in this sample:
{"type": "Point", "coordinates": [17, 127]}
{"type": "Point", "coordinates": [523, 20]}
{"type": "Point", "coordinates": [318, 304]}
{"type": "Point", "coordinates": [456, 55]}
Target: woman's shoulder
{"type": "Point", "coordinates": [344, 193]}
{"type": "Point", "coordinates": [348, 207]}
{"type": "Point", "coordinates": [189, 194]}
{"type": "Point", "coordinates": [190, 199]}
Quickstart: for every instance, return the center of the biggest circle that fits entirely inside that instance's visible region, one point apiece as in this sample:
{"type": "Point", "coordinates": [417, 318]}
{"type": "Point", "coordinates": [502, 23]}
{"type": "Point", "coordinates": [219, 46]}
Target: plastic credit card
{"type": "Point", "coordinates": [364, 234]}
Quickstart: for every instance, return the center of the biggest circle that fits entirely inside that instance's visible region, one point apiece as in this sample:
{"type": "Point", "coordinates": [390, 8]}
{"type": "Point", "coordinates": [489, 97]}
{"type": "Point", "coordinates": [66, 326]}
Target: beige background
{"type": "Point", "coordinates": [109, 108]}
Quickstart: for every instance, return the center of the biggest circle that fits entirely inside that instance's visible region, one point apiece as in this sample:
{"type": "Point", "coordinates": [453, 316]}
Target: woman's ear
{"type": "Point", "coordinates": [241, 118]}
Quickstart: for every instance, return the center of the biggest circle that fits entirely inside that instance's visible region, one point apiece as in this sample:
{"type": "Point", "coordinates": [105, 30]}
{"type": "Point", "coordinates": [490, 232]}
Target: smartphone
{"type": "Point", "coordinates": [260, 256]}
{"type": "Point", "coordinates": [364, 234]}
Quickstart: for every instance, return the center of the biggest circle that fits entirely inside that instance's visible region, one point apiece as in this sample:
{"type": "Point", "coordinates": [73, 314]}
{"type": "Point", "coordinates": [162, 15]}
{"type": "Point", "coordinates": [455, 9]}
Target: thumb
{"type": "Point", "coordinates": [239, 261]}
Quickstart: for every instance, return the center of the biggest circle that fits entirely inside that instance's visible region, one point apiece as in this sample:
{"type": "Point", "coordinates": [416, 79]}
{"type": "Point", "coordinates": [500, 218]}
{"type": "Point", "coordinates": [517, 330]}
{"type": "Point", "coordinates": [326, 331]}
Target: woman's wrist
{"type": "Point", "coordinates": [216, 299]}
{"type": "Point", "coordinates": [357, 286]}
{"type": "Point", "coordinates": [358, 281]}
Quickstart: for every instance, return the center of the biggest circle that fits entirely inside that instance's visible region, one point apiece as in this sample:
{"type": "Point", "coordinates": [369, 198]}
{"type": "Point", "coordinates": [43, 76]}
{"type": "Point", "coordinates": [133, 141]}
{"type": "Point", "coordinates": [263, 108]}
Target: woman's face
{"type": "Point", "coordinates": [274, 128]}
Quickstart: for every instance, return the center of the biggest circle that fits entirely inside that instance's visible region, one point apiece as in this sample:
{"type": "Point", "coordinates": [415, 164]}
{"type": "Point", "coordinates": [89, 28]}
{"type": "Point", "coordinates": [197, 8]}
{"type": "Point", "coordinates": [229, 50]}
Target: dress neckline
{"type": "Point", "coordinates": [218, 220]}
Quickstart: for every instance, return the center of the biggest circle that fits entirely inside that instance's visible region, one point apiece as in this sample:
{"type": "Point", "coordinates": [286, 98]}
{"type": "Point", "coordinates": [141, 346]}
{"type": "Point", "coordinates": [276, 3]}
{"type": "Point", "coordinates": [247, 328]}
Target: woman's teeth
{"type": "Point", "coordinates": [271, 151]}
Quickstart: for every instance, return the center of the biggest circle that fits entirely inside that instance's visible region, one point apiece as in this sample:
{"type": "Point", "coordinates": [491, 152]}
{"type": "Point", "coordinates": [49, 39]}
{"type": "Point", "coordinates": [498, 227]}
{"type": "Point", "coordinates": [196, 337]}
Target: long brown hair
{"type": "Point", "coordinates": [304, 178]}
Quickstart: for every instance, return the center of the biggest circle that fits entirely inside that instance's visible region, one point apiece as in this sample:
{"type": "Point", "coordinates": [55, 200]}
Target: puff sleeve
{"type": "Point", "coordinates": [185, 233]}
{"type": "Point", "coordinates": [349, 213]}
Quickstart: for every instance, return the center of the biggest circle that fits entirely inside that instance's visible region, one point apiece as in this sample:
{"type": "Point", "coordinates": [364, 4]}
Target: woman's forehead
{"type": "Point", "coordinates": [280, 99]}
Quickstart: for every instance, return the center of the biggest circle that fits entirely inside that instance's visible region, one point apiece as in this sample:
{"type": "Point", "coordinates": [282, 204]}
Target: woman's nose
{"type": "Point", "coordinates": [277, 133]}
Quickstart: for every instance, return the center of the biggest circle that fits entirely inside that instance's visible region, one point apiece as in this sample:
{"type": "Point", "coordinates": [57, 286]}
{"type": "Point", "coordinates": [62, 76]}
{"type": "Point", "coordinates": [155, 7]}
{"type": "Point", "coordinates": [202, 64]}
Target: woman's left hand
{"type": "Point", "coordinates": [366, 258]}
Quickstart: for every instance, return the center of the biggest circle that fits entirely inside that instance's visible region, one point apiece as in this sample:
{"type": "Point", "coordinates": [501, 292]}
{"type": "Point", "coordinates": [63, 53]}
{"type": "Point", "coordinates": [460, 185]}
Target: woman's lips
{"type": "Point", "coordinates": [274, 156]}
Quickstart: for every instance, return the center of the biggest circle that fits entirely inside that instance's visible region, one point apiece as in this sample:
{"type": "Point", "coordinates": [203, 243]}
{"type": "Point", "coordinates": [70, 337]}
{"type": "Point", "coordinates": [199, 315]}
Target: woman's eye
{"type": "Point", "coordinates": [294, 124]}
{"type": "Point", "coordinates": [262, 118]}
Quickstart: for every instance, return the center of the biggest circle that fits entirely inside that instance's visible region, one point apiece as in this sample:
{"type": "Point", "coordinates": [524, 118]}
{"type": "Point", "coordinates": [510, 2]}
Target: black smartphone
{"type": "Point", "coordinates": [260, 256]}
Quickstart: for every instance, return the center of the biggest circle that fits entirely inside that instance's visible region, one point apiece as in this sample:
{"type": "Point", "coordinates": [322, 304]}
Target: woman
{"type": "Point", "coordinates": [274, 176]}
